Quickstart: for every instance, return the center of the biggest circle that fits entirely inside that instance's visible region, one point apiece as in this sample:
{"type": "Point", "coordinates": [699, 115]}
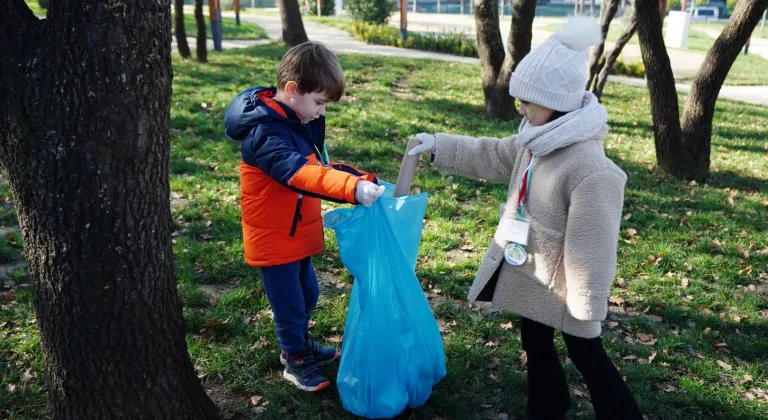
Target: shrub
{"type": "Point", "coordinates": [451, 43]}
{"type": "Point", "coordinates": [370, 11]}
{"type": "Point", "coordinates": [309, 7]}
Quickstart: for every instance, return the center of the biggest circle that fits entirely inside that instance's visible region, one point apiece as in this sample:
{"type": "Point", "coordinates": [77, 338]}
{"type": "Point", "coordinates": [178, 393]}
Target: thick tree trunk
{"type": "Point", "coordinates": [490, 48]}
{"type": "Point", "coordinates": [610, 59]}
{"type": "Point", "coordinates": [84, 141]}
{"type": "Point", "coordinates": [202, 45]}
{"type": "Point", "coordinates": [700, 106]}
{"type": "Point", "coordinates": [518, 46]}
{"type": "Point", "coordinates": [671, 156]}
{"type": "Point", "coordinates": [608, 12]}
{"type": "Point", "coordinates": [181, 33]}
{"type": "Point", "coordinates": [293, 27]}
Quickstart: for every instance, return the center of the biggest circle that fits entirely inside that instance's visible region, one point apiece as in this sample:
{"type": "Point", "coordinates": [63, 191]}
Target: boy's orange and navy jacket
{"type": "Point", "coordinates": [283, 177]}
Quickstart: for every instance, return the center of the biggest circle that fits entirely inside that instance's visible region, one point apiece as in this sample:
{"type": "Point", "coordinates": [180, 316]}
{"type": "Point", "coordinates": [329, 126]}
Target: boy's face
{"type": "Point", "coordinates": [308, 106]}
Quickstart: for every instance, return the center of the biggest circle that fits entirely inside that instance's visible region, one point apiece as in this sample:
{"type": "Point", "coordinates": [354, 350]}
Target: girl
{"type": "Point", "coordinates": [553, 256]}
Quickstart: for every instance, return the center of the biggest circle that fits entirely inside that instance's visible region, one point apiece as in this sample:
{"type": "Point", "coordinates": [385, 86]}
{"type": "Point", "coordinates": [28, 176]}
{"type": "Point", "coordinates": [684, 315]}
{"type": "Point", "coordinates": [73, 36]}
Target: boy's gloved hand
{"type": "Point", "coordinates": [366, 193]}
{"type": "Point", "coordinates": [427, 144]}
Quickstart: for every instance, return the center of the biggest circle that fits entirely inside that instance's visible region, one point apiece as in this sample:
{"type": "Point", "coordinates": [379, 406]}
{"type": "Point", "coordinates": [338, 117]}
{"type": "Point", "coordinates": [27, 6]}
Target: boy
{"type": "Point", "coordinates": [283, 177]}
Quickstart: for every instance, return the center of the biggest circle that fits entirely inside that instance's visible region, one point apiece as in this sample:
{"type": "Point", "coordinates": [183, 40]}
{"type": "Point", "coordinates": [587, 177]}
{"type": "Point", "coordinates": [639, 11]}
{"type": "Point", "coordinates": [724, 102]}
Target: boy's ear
{"type": "Point", "coordinates": [291, 88]}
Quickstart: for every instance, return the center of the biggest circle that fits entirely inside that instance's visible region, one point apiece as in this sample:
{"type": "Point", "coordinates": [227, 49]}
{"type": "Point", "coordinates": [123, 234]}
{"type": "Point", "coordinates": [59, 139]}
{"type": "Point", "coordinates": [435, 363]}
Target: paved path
{"type": "Point", "coordinates": [340, 41]}
{"type": "Point", "coordinates": [758, 45]}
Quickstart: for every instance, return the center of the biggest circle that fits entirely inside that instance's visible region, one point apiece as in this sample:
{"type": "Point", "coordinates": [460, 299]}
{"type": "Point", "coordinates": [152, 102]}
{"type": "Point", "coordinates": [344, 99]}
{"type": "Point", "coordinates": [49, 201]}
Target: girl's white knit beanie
{"type": "Point", "coordinates": [554, 75]}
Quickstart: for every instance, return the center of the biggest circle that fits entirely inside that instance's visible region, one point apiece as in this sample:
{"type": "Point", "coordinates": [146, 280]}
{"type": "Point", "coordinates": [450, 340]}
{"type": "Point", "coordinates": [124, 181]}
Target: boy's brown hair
{"type": "Point", "coordinates": [314, 68]}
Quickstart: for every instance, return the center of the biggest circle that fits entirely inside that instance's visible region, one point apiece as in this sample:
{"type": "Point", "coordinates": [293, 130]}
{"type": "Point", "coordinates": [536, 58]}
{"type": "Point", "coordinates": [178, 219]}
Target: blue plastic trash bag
{"type": "Point", "coordinates": [392, 353]}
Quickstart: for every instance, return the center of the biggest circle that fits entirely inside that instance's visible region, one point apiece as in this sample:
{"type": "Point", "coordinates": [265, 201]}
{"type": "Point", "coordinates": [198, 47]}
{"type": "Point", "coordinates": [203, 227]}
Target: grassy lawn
{"type": "Point", "coordinates": [230, 30]}
{"type": "Point", "coordinates": [689, 316]}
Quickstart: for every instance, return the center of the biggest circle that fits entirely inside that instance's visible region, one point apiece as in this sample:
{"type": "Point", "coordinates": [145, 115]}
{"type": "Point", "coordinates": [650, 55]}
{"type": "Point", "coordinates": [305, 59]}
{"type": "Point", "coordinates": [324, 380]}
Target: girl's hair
{"type": "Point", "coordinates": [556, 115]}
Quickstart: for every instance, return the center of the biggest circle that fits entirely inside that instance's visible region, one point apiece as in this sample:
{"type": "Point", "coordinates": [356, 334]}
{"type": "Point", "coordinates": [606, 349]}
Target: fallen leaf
{"type": "Point", "coordinates": [688, 266]}
{"type": "Point", "coordinates": [685, 282]}
{"type": "Point", "coordinates": [747, 378]}
{"type": "Point", "coordinates": [11, 388]}
{"type": "Point", "coordinates": [616, 300]}
{"type": "Point", "coordinates": [27, 376]}
{"type": "Point", "coordinates": [630, 357]}
{"type": "Point", "coordinates": [613, 324]}
{"type": "Point", "coordinates": [524, 358]}
{"type": "Point", "coordinates": [334, 339]}
{"type": "Point", "coordinates": [495, 362]}
{"type": "Point", "coordinates": [631, 232]}
{"type": "Point", "coordinates": [724, 365]}
{"type": "Point", "coordinates": [256, 400]}
{"type": "Point", "coordinates": [651, 357]}
{"type": "Point", "coordinates": [507, 326]}
{"type": "Point", "coordinates": [628, 216]}
{"type": "Point", "coordinates": [491, 344]}
{"type": "Point", "coordinates": [666, 387]}
{"type": "Point", "coordinates": [263, 342]}
{"type": "Point", "coordinates": [707, 330]}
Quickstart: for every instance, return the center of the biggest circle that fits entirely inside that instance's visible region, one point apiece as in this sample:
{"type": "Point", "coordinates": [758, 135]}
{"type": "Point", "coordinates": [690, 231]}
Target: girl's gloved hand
{"type": "Point", "coordinates": [427, 144]}
{"type": "Point", "coordinates": [366, 193]}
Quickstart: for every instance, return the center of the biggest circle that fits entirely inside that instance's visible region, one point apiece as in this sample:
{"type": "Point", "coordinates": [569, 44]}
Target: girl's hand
{"type": "Point", "coordinates": [427, 144]}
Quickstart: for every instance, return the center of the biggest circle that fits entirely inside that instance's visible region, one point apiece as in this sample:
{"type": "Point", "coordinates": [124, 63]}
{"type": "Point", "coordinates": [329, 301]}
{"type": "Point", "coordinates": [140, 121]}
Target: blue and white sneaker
{"type": "Point", "coordinates": [301, 370]}
{"type": "Point", "coordinates": [322, 355]}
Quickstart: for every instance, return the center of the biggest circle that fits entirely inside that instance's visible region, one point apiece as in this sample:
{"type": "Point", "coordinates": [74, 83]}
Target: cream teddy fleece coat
{"type": "Point", "coordinates": [574, 203]}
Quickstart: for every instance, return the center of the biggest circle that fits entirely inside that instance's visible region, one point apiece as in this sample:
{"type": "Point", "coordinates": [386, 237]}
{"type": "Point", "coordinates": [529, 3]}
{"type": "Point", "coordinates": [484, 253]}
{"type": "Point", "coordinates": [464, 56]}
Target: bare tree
{"type": "Point", "coordinates": [202, 45]}
{"type": "Point", "coordinates": [181, 33]}
{"type": "Point", "coordinates": [613, 56]}
{"type": "Point", "coordinates": [497, 66]}
{"type": "Point", "coordinates": [293, 26]}
{"type": "Point", "coordinates": [683, 150]}
{"type": "Point", "coordinates": [88, 165]}
{"type": "Point", "coordinates": [608, 12]}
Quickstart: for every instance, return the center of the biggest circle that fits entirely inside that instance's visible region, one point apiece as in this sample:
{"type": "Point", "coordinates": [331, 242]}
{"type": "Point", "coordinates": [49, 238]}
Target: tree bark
{"type": "Point", "coordinates": [202, 43]}
{"type": "Point", "coordinates": [608, 11]}
{"type": "Point", "coordinates": [84, 141]}
{"type": "Point", "coordinates": [518, 46]}
{"type": "Point", "coordinates": [672, 157]}
{"type": "Point", "coordinates": [181, 33]}
{"type": "Point", "coordinates": [293, 26]}
{"type": "Point", "coordinates": [700, 106]}
{"type": "Point", "coordinates": [610, 59]}
{"type": "Point", "coordinates": [498, 103]}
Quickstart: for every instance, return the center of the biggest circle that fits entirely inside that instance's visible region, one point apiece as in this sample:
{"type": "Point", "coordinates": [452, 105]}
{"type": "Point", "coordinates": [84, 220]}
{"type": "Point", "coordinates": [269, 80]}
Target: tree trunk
{"type": "Point", "coordinates": [518, 46]}
{"type": "Point", "coordinates": [181, 33]}
{"type": "Point", "coordinates": [202, 43]}
{"type": "Point", "coordinates": [671, 156]}
{"type": "Point", "coordinates": [700, 106]}
{"type": "Point", "coordinates": [608, 11]}
{"type": "Point", "coordinates": [610, 59]}
{"type": "Point", "coordinates": [293, 27]}
{"type": "Point", "coordinates": [498, 103]}
{"type": "Point", "coordinates": [84, 142]}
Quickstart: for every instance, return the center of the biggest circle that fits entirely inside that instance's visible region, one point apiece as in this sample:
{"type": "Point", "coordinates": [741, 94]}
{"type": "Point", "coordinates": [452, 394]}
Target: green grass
{"type": "Point", "coordinates": [35, 7]}
{"type": "Point", "coordinates": [230, 29]}
{"type": "Point", "coordinates": [710, 330]}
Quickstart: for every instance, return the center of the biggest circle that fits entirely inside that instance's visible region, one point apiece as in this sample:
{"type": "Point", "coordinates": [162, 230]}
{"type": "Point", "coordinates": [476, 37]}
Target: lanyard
{"type": "Point", "coordinates": [525, 187]}
{"type": "Point", "coordinates": [327, 159]}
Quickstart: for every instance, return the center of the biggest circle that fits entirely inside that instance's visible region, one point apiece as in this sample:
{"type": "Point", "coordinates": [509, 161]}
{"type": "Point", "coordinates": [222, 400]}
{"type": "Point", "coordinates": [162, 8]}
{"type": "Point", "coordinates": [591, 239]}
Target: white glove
{"type": "Point", "coordinates": [367, 192]}
{"type": "Point", "coordinates": [427, 144]}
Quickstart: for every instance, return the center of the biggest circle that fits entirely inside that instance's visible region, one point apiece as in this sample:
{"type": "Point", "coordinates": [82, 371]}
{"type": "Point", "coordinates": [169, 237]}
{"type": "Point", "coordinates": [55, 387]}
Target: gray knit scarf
{"type": "Point", "coordinates": [586, 123]}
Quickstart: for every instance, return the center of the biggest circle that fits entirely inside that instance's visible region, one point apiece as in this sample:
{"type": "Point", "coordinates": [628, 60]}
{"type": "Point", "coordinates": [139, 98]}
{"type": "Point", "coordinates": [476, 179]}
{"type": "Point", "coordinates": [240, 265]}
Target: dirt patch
{"type": "Point", "coordinates": [215, 290]}
{"type": "Point", "coordinates": [400, 89]}
{"type": "Point", "coordinates": [233, 405]}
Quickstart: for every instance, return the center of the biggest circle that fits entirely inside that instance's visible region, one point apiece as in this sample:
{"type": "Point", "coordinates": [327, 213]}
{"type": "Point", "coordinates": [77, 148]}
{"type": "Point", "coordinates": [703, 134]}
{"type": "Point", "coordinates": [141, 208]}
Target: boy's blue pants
{"type": "Point", "coordinates": [292, 292]}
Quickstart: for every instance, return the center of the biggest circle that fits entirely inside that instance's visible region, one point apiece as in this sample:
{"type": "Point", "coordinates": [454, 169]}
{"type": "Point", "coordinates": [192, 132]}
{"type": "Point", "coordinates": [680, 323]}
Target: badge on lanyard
{"type": "Point", "coordinates": [516, 230]}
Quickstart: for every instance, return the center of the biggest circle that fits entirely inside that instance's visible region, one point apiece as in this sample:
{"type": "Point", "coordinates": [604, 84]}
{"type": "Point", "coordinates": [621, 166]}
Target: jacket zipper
{"type": "Point", "coordinates": [296, 216]}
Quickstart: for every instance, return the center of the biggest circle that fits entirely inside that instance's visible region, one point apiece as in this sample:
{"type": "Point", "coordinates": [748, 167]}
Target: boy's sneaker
{"type": "Point", "coordinates": [322, 355]}
{"type": "Point", "coordinates": [302, 371]}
